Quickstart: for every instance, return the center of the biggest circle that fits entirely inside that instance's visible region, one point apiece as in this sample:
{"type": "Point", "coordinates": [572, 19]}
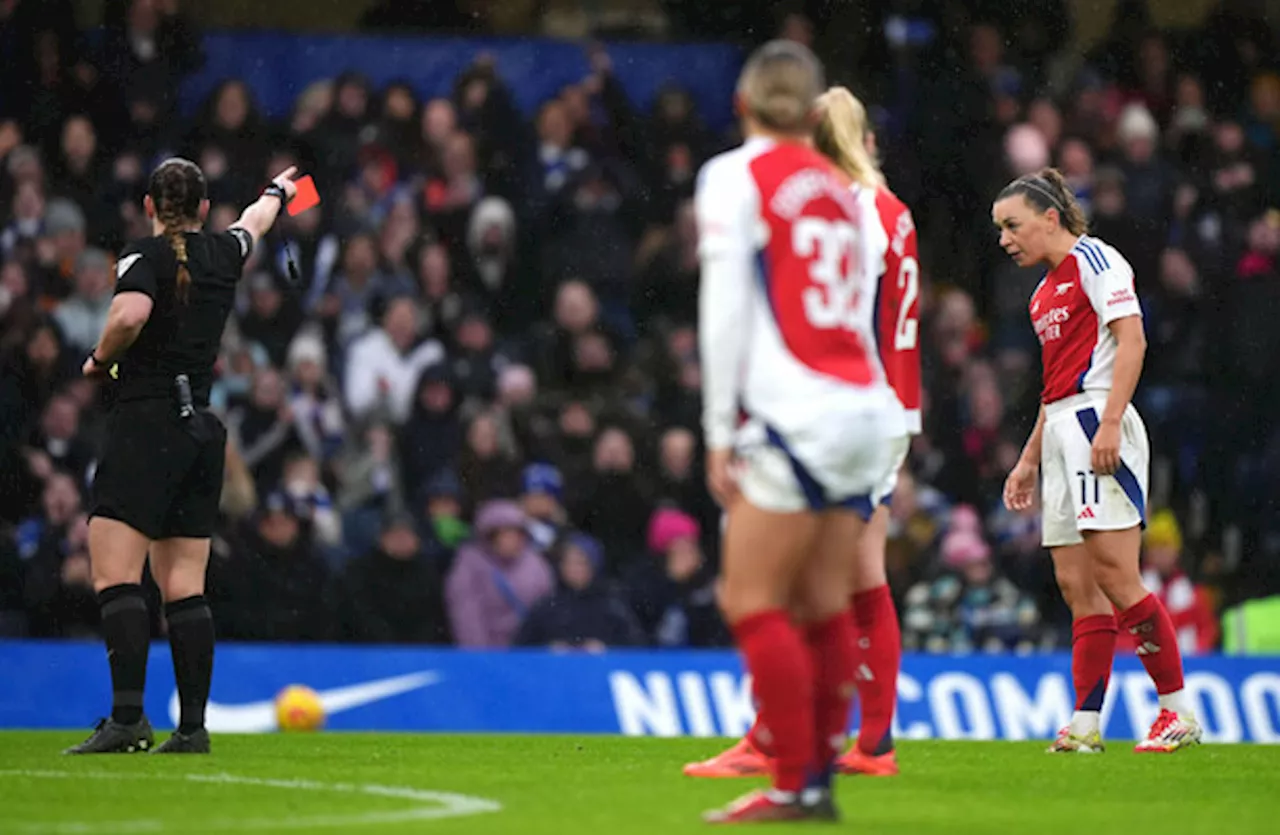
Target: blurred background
{"type": "Point", "coordinates": [475, 421]}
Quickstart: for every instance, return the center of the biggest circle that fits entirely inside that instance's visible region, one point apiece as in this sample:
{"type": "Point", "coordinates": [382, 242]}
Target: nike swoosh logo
{"type": "Point", "coordinates": [260, 717]}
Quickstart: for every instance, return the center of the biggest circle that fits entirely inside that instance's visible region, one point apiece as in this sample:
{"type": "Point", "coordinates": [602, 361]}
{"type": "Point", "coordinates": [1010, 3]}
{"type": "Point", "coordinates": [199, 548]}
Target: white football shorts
{"type": "Point", "coordinates": [1074, 498]}
{"type": "Point", "coordinates": [860, 474]}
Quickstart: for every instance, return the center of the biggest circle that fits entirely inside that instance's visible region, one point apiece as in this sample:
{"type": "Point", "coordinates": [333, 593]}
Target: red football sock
{"type": "Point", "coordinates": [778, 661]}
{"type": "Point", "coordinates": [760, 741]}
{"type": "Point", "coordinates": [835, 667]}
{"type": "Point", "coordinates": [1157, 642]}
{"type": "Point", "coordinates": [1093, 647]}
{"type": "Point", "coordinates": [879, 642]}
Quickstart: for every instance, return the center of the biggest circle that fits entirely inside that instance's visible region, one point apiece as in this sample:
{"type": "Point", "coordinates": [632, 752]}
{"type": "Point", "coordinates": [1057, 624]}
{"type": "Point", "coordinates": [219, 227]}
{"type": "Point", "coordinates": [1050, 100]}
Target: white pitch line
{"type": "Point", "coordinates": [442, 805]}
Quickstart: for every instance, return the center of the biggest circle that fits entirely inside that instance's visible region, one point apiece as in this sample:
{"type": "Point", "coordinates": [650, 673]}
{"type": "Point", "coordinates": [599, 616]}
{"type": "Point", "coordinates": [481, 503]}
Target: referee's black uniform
{"type": "Point", "coordinates": [161, 468]}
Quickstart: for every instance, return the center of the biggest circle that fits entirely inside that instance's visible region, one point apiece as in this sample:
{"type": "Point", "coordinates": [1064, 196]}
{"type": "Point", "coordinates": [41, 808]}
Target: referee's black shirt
{"type": "Point", "coordinates": [179, 338]}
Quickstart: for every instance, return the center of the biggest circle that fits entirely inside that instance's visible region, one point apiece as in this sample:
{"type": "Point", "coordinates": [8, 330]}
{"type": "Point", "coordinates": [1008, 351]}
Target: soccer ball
{"type": "Point", "coordinates": [298, 708]}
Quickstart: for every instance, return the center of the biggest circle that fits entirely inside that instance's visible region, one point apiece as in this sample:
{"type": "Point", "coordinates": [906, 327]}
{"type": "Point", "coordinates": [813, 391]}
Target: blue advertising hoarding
{"type": "Point", "coordinates": [66, 685]}
{"type": "Point", "coordinates": [278, 66]}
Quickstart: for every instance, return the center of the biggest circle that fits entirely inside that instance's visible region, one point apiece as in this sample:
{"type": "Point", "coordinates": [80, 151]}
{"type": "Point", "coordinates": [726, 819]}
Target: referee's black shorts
{"type": "Point", "coordinates": [160, 474]}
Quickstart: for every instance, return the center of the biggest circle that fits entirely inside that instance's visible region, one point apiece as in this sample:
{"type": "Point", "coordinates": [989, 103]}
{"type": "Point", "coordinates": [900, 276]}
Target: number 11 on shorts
{"type": "Point", "coordinates": [1085, 478]}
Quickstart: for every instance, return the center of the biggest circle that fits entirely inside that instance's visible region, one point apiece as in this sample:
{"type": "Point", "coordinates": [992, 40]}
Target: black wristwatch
{"type": "Point", "coordinates": [274, 190]}
{"type": "Point", "coordinates": [97, 363]}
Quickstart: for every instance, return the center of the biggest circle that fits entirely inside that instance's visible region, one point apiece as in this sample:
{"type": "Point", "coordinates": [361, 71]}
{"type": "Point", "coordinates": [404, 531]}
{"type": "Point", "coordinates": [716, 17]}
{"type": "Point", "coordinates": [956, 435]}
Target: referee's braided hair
{"type": "Point", "coordinates": [177, 189]}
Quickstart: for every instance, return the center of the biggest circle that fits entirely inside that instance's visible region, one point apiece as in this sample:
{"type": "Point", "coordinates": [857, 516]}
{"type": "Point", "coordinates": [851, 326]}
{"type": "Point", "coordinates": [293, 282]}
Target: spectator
{"type": "Point", "coordinates": [558, 158]}
{"type": "Point", "coordinates": [82, 315]}
{"type": "Point", "coordinates": [148, 51]}
{"type": "Point", "coordinates": [1148, 185]}
{"type": "Point", "coordinates": [613, 504]}
{"type": "Point", "coordinates": [345, 305]}
{"type": "Point", "coordinates": [440, 501]}
{"type": "Point", "coordinates": [439, 122]}
{"type": "Point", "coordinates": [239, 493]}
{"type": "Point", "coordinates": [58, 439]}
{"type": "Point", "coordinates": [667, 288]}
{"type": "Point", "coordinates": [679, 477]}
{"type": "Point", "coordinates": [263, 430]}
{"type": "Point", "coordinates": [273, 586]}
{"type": "Point", "coordinates": [386, 364]}
{"type": "Point", "coordinates": [78, 175]}
{"type": "Point", "coordinates": [313, 398]}
{"type": "Point", "coordinates": [476, 361]}
{"type": "Point", "coordinates": [496, 579]}
{"type": "Point", "coordinates": [576, 312]}
{"type": "Point", "coordinates": [969, 607]}
{"type": "Point", "coordinates": [59, 252]}
{"type": "Point", "coordinates": [231, 127]}
{"type": "Point", "coordinates": [498, 278]}
{"type": "Point", "coordinates": [370, 485]}
{"type": "Point", "coordinates": [673, 590]}
{"type": "Point", "coordinates": [541, 498]}
{"type": "Point", "coordinates": [393, 594]}
{"type": "Point", "coordinates": [430, 438]}
{"type": "Point", "coordinates": [26, 221]}
{"type": "Point", "coordinates": [273, 318]}
{"type": "Point", "coordinates": [488, 465]}
{"type": "Point", "coordinates": [439, 302]}
{"type": "Point", "coordinates": [301, 485]}
{"type": "Point", "coordinates": [32, 375]}
{"type": "Point", "coordinates": [58, 587]}
{"type": "Point", "coordinates": [584, 612]}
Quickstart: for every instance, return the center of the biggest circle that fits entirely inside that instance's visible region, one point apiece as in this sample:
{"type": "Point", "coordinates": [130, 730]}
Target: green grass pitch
{"type": "Point", "coordinates": [530, 785]}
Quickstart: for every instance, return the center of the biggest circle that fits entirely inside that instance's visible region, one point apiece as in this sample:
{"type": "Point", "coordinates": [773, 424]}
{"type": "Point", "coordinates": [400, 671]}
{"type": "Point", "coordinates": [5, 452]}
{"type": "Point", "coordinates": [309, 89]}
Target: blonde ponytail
{"type": "Point", "coordinates": [841, 136]}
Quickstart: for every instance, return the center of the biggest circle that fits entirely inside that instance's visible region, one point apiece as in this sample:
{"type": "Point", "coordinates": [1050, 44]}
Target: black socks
{"type": "Point", "coordinates": [126, 625]}
{"type": "Point", "coordinates": [191, 642]}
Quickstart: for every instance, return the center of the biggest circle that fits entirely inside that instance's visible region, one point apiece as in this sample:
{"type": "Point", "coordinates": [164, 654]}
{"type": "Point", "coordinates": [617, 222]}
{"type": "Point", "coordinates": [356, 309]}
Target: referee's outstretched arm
{"type": "Point", "coordinates": [262, 213]}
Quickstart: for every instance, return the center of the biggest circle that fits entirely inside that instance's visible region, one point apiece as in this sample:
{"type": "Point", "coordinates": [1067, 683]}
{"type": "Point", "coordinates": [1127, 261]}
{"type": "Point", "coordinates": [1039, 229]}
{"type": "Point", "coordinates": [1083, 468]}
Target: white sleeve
{"type": "Point", "coordinates": [1108, 281]}
{"type": "Point", "coordinates": [726, 202]}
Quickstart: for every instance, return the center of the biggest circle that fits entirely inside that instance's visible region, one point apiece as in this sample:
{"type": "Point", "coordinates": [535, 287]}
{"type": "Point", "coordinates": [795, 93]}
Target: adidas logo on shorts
{"type": "Point", "coordinates": [1087, 513]}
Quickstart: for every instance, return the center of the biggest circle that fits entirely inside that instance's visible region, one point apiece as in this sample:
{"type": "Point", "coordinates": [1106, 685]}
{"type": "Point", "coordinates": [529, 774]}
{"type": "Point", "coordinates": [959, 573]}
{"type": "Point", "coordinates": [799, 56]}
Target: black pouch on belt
{"type": "Point", "coordinates": [193, 419]}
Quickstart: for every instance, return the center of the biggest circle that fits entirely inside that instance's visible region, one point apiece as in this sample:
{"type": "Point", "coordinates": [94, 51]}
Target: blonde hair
{"type": "Point", "coordinates": [780, 84]}
{"type": "Point", "coordinates": [841, 136]}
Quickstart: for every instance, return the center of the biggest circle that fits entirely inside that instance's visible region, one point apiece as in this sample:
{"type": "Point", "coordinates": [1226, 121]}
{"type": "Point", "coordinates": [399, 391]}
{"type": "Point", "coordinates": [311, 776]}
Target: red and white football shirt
{"type": "Point", "coordinates": [1070, 311]}
{"type": "Point", "coordinates": [791, 260]}
{"type": "Point", "coordinates": [898, 308]}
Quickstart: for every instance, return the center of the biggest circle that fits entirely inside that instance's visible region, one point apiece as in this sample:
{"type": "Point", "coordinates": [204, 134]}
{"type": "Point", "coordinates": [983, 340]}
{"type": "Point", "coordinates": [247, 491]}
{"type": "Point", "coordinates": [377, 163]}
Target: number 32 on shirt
{"type": "Point", "coordinates": [833, 303]}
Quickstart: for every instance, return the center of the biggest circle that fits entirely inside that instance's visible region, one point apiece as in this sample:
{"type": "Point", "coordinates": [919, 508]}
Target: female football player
{"type": "Point", "coordinates": [1090, 447]}
{"type": "Point", "coordinates": [842, 135]}
{"type": "Point", "coordinates": [789, 260]}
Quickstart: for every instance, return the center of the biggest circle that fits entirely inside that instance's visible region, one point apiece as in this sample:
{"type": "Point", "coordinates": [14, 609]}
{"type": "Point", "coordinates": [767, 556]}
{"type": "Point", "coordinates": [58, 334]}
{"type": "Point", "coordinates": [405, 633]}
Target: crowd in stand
{"type": "Point", "coordinates": [475, 418]}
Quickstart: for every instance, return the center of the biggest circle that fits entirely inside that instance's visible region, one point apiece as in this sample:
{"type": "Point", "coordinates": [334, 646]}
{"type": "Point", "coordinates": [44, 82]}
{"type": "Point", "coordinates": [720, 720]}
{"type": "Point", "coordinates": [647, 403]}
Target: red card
{"type": "Point", "coordinates": [306, 198]}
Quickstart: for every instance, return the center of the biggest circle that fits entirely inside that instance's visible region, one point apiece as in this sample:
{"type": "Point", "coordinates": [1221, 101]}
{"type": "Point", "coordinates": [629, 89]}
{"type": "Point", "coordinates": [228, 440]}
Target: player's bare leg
{"type": "Point", "coordinates": [179, 565]}
{"type": "Point", "coordinates": [1093, 647]}
{"type": "Point", "coordinates": [1115, 561]}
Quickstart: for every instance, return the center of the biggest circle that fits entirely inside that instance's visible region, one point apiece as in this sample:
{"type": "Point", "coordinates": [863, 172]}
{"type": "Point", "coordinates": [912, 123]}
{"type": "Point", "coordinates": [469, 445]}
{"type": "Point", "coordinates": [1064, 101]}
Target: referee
{"type": "Point", "coordinates": [159, 480]}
